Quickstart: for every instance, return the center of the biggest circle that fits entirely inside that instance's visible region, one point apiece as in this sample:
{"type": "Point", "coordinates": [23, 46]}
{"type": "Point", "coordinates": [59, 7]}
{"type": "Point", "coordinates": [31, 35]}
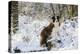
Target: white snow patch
{"type": "Point", "coordinates": [27, 37]}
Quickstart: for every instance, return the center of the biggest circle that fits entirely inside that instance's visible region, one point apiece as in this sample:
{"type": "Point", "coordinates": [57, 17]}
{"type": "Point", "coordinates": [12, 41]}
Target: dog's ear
{"type": "Point", "coordinates": [53, 18]}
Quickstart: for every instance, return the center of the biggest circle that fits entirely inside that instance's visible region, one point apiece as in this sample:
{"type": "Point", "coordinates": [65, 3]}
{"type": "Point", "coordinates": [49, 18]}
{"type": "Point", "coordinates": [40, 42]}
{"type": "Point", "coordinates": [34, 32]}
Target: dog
{"type": "Point", "coordinates": [47, 31]}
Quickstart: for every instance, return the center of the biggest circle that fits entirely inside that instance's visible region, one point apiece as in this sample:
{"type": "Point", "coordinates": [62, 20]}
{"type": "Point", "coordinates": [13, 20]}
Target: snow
{"type": "Point", "coordinates": [68, 35]}
{"type": "Point", "coordinates": [27, 28]}
{"type": "Point", "coordinates": [27, 37]}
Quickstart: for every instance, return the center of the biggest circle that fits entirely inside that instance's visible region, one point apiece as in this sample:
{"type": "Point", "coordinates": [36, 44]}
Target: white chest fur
{"type": "Point", "coordinates": [55, 29]}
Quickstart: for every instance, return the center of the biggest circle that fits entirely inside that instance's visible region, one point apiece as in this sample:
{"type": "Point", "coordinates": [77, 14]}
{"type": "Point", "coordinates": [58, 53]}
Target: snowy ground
{"type": "Point", "coordinates": [68, 34]}
{"type": "Point", "coordinates": [27, 37]}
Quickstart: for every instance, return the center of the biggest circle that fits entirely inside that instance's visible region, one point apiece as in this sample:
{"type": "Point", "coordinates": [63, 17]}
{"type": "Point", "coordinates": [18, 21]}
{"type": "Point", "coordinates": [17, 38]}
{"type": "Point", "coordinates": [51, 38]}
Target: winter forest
{"type": "Point", "coordinates": [36, 27]}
